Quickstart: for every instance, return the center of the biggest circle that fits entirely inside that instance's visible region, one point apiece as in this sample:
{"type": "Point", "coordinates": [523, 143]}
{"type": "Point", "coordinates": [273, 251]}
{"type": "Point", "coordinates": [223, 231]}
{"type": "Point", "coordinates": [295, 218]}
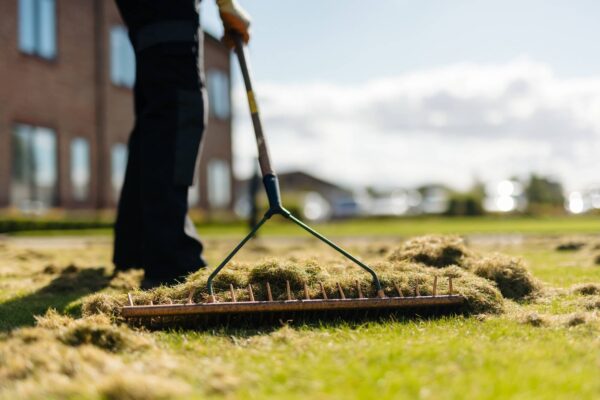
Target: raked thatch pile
{"type": "Point", "coordinates": [484, 280]}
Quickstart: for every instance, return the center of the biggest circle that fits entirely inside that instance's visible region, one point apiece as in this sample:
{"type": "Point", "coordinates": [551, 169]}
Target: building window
{"type": "Point", "coordinates": [218, 93]}
{"type": "Point", "coordinates": [122, 58]}
{"type": "Point", "coordinates": [118, 164]}
{"type": "Point", "coordinates": [219, 183]}
{"type": "Point", "coordinates": [80, 168]}
{"type": "Point", "coordinates": [34, 168]}
{"type": "Point", "coordinates": [37, 27]}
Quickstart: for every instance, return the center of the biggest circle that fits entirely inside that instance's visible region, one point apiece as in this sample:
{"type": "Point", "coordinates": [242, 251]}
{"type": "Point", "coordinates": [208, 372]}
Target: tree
{"type": "Point", "coordinates": [542, 190]}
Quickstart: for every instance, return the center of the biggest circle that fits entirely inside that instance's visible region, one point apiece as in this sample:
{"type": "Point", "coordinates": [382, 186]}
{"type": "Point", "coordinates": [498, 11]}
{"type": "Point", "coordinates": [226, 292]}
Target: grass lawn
{"type": "Point", "coordinates": [390, 227]}
{"type": "Point", "coordinates": [484, 357]}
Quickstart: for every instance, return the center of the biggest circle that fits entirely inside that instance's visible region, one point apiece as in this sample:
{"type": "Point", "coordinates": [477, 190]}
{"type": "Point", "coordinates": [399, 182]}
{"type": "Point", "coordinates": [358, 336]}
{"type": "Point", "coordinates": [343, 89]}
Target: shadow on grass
{"type": "Point", "coordinates": [249, 325]}
{"type": "Point", "coordinates": [70, 285]}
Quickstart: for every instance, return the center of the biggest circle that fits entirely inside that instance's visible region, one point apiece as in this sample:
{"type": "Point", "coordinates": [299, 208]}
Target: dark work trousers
{"type": "Point", "coordinates": [153, 230]}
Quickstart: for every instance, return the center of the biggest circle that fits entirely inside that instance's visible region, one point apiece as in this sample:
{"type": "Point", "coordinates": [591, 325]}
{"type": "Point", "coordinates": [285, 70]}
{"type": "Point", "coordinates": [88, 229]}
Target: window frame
{"type": "Point", "coordinates": [36, 51]}
{"type": "Point", "coordinates": [54, 199]}
{"type": "Point", "coordinates": [213, 196]}
{"type": "Point", "coordinates": [213, 106]}
{"type": "Point", "coordinates": [88, 185]}
{"type": "Point", "coordinates": [117, 76]}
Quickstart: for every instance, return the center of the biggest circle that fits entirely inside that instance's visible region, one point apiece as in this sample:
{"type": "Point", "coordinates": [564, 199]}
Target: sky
{"type": "Point", "coordinates": [400, 93]}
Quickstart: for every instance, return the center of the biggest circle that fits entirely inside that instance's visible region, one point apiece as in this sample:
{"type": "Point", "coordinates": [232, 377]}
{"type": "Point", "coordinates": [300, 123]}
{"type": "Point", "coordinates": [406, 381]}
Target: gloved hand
{"type": "Point", "coordinates": [235, 21]}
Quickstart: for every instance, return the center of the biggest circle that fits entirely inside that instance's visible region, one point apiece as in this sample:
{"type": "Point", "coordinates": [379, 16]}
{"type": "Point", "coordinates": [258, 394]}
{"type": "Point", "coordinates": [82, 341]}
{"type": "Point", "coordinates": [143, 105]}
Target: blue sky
{"type": "Point", "coordinates": [356, 40]}
{"type": "Point", "coordinates": [515, 82]}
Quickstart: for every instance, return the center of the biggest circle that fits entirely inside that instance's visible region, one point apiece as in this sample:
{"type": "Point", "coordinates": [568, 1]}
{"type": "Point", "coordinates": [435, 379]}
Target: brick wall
{"type": "Point", "coordinates": [73, 95]}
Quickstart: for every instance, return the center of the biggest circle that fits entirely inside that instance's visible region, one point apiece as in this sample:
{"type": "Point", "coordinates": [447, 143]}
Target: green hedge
{"type": "Point", "coordinates": [8, 225]}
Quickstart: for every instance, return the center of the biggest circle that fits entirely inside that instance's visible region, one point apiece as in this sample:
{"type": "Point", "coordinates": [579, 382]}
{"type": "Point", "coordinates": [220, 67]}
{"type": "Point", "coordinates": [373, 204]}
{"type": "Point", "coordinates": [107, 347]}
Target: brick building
{"type": "Point", "coordinates": [66, 72]}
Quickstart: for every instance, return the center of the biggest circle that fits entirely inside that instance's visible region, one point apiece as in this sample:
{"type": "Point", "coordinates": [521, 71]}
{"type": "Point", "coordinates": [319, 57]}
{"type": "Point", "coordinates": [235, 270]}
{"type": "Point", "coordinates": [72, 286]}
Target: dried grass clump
{"type": "Point", "coordinates": [509, 273]}
{"type": "Point", "coordinates": [570, 245]}
{"type": "Point", "coordinates": [561, 320]}
{"type": "Point", "coordinates": [593, 303]}
{"type": "Point", "coordinates": [481, 295]}
{"type": "Point", "coordinates": [586, 289]}
{"type": "Point", "coordinates": [433, 251]}
{"type": "Point", "coordinates": [597, 259]}
{"type": "Point", "coordinates": [65, 358]}
{"type": "Point", "coordinates": [102, 303]}
{"type": "Point", "coordinates": [535, 319]}
{"type": "Point", "coordinates": [131, 386]}
{"type": "Point", "coordinates": [95, 330]}
{"type": "Point", "coordinates": [576, 319]}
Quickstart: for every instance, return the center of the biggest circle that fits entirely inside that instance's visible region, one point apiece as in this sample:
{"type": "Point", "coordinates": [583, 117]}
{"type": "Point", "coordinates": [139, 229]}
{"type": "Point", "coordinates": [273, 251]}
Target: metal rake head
{"type": "Point", "coordinates": [269, 310]}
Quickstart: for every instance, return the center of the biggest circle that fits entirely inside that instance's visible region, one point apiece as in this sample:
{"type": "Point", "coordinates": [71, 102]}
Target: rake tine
{"type": "Point", "coordinates": [130, 299]}
{"type": "Point", "coordinates": [250, 292]}
{"type": "Point", "coordinates": [360, 294]}
{"type": "Point", "coordinates": [306, 295]}
{"type": "Point", "coordinates": [323, 290]}
{"type": "Point", "coordinates": [190, 299]}
{"type": "Point", "coordinates": [398, 289]}
{"type": "Point", "coordinates": [342, 295]}
{"type": "Point", "coordinates": [450, 286]}
{"type": "Point", "coordinates": [417, 293]}
{"type": "Point", "coordinates": [233, 298]}
{"type": "Point", "coordinates": [269, 294]}
{"type": "Point", "coordinates": [434, 292]}
{"type": "Point", "coordinates": [151, 303]}
{"type": "Point", "coordinates": [170, 300]}
{"type": "Point", "coordinates": [288, 290]}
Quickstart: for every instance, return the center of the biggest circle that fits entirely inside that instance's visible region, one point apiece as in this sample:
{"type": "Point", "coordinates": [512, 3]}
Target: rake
{"type": "Point", "coordinates": [271, 309]}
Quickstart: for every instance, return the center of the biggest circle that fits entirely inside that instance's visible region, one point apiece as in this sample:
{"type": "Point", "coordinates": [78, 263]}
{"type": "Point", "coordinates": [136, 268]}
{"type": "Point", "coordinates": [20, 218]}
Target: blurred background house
{"type": "Point", "coordinates": [314, 198]}
{"type": "Point", "coordinates": [66, 73]}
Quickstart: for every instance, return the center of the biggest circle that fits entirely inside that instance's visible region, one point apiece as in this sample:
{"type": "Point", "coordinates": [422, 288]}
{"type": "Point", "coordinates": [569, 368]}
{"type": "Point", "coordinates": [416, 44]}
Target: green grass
{"type": "Point", "coordinates": [391, 227]}
{"type": "Point", "coordinates": [495, 357]}
{"type": "Point", "coordinates": [452, 358]}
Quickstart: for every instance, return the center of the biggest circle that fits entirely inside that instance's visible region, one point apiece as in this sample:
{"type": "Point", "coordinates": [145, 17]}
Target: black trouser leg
{"type": "Point", "coordinates": [170, 105]}
{"type": "Point", "coordinates": [129, 225]}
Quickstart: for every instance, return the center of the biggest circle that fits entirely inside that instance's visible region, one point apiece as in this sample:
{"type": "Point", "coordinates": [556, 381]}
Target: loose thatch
{"type": "Point", "coordinates": [481, 295]}
{"type": "Point", "coordinates": [65, 358]}
{"type": "Point", "coordinates": [433, 251]}
{"type": "Point", "coordinates": [509, 273]}
{"type": "Point", "coordinates": [597, 259]}
{"type": "Point", "coordinates": [484, 280]}
{"type": "Point", "coordinates": [570, 245]}
{"type": "Point", "coordinates": [592, 304]}
{"type": "Point", "coordinates": [96, 330]}
{"type": "Point", "coordinates": [586, 289]}
{"type": "Point", "coordinates": [535, 319]}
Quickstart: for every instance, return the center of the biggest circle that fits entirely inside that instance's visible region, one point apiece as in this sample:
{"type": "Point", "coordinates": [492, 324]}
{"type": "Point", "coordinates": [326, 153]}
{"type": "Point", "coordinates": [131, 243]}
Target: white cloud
{"type": "Point", "coordinates": [442, 125]}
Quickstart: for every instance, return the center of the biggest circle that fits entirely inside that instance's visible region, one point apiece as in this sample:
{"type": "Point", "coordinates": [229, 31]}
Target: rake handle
{"type": "Point", "coordinates": [263, 152]}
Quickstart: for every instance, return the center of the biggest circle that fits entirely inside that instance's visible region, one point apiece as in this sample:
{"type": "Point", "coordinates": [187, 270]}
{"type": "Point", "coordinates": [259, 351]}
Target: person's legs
{"type": "Point", "coordinates": [169, 126]}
